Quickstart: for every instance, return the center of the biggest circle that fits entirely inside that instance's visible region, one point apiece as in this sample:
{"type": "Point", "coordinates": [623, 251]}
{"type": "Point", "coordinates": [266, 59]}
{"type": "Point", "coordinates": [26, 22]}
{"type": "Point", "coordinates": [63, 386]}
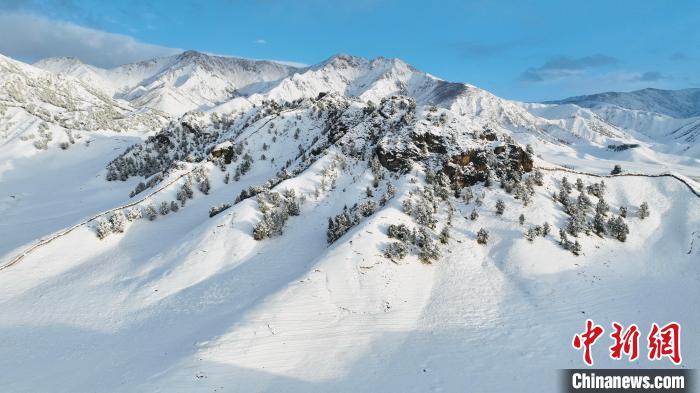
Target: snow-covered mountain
{"type": "Point", "coordinates": [175, 84]}
{"type": "Point", "coordinates": [670, 117]}
{"type": "Point", "coordinates": [36, 105]}
{"type": "Point", "coordinates": [353, 226]}
{"type": "Point", "coordinates": [672, 103]}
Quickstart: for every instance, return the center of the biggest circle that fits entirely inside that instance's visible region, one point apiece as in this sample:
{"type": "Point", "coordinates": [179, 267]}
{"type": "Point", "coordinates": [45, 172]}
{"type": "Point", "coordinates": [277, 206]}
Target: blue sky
{"type": "Point", "coordinates": [525, 50]}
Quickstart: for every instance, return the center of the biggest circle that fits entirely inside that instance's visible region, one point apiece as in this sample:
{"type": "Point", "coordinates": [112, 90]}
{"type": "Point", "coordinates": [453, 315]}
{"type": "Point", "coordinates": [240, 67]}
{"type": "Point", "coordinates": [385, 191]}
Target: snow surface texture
{"type": "Point", "coordinates": [192, 303]}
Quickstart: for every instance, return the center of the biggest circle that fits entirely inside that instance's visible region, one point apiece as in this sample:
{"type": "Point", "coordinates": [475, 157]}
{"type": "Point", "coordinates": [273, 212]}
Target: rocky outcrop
{"type": "Point", "coordinates": [473, 166]}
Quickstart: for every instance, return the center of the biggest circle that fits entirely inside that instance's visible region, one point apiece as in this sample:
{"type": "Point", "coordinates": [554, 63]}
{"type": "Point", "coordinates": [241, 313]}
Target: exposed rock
{"type": "Point", "coordinates": [225, 150]}
{"type": "Point", "coordinates": [473, 166]}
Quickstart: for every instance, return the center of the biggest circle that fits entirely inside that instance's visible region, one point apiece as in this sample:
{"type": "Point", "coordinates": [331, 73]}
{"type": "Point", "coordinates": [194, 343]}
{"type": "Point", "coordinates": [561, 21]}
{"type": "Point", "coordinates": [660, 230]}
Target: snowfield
{"type": "Point", "coordinates": [266, 295]}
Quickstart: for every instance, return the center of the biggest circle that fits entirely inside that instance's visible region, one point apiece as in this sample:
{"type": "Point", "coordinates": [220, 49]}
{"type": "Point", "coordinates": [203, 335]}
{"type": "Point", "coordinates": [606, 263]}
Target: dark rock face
{"type": "Point", "coordinates": [224, 151]}
{"type": "Point", "coordinates": [429, 142]}
{"type": "Point", "coordinates": [396, 160]}
{"type": "Point", "coordinates": [504, 161]}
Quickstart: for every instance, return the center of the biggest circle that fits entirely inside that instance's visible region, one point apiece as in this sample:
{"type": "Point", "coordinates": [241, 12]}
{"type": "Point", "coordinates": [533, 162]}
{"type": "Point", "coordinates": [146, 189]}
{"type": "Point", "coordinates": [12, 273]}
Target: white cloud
{"type": "Point", "coordinates": [260, 41]}
{"type": "Point", "coordinates": [30, 37]}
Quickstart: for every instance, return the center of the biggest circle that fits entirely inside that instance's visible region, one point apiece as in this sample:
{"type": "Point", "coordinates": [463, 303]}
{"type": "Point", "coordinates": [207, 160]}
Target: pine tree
{"type": "Point", "coordinates": [538, 177]}
{"type": "Point", "coordinates": [118, 221]}
{"type": "Point", "coordinates": [500, 207]}
{"type": "Point", "coordinates": [602, 207]}
{"type": "Point", "coordinates": [474, 215]}
{"type": "Point", "coordinates": [618, 228]}
{"type": "Point", "coordinates": [623, 212]}
{"type": "Point", "coordinates": [204, 186]}
{"type": "Point", "coordinates": [427, 249]}
{"type": "Point", "coordinates": [396, 250]}
{"type": "Point", "coordinates": [103, 228]}
{"type": "Point", "coordinates": [521, 219]}
{"type": "Point", "coordinates": [151, 212]}
{"type": "Point", "coordinates": [617, 169]}
{"type": "Point", "coordinates": [530, 235]}
{"type": "Point", "coordinates": [576, 248]}
{"type": "Point", "coordinates": [563, 239]}
{"type": "Point", "coordinates": [262, 228]}
{"type": "Point", "coordinates": [599, 224]}
{"type": "Point", "coordinates": [164, 208]}
{"type": "Point", "coordinates": [545, 229]}
{"type": "Point", "coordinates": [174, 207]}
{"type": "Point", "coordinates": [134, 213]}
{"type": "Point", "coordinates": [467, 195]}
{"type": "Point", "coordinates": [400, 232]}
{"type": "Point", "coordinates": [445, 235]}
{"type": "Point", "coordinates": [565, 185]}
{"type": "Point", "coordinates": [583, 202]}
{"type": "Point", "coordinates": [579, 184]}
{"type": "Point", "coordinates": [643, 210]}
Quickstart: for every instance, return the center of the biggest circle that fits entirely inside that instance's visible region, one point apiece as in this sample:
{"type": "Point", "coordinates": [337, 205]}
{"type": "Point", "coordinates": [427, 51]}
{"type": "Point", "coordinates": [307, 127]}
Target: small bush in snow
{"type": "Point", "coordinates": [174, 206]}
{"type": "Point", "coordinates": [617, 169]}
{"type": "Point", "coordinates": [482, 236]}
{"type": "Point", "coordinates": [521, 219]}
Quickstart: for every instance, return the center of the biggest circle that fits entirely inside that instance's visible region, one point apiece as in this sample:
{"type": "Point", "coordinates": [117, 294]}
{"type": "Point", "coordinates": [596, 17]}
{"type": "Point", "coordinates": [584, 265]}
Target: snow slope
{"type": "Point", "coordinates": [190, 301]}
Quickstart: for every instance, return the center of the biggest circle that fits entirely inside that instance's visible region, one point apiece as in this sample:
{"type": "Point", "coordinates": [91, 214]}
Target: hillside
{"type": "Point", "coordinates": [353, 226]}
